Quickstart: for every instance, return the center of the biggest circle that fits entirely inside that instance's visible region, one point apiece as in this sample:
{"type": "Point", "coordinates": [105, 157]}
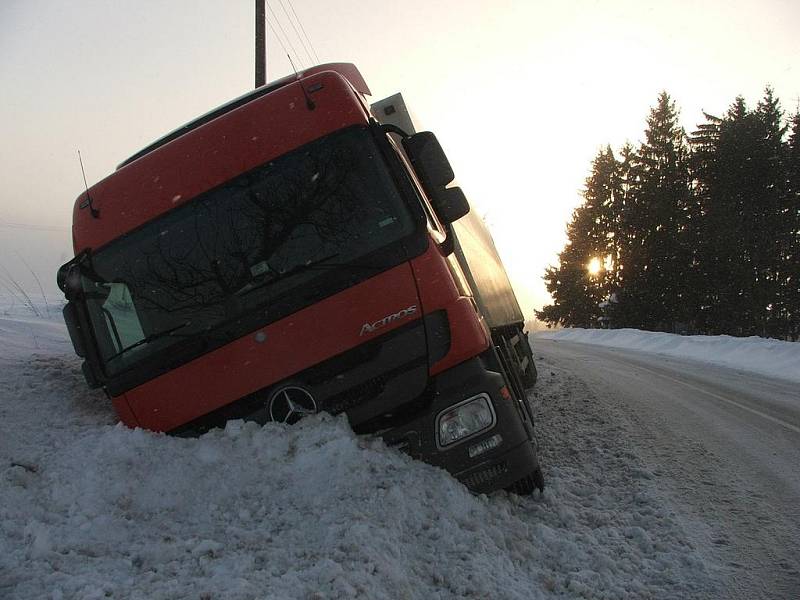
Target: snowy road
{"type": "Point", "coordinates": [724, 447]}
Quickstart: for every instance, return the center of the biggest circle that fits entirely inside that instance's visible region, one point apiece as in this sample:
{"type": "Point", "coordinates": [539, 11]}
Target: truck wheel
{"type": "Point", "coordinates": [526, 485]}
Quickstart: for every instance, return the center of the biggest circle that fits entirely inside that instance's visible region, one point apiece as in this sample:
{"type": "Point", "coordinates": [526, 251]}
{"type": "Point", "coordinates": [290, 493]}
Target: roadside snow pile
{"type": "Point", "coordinates": [758, 355]}
{"type": "Point", "coordinates": [90, 509]}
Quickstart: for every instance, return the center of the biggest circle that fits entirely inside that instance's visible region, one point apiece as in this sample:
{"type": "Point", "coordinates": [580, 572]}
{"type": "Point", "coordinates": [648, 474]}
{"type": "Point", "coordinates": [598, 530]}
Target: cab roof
{"type": "Point", "coordinates": [348, 70]}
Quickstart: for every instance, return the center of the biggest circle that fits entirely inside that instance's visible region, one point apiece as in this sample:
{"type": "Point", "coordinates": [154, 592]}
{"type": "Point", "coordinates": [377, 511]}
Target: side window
{"type": "Point", "coordinates": [433, 221]}
{"type": "Point", "coordinates": [121, 316]}
{"type": "Point", "coordinates": [112, 305]}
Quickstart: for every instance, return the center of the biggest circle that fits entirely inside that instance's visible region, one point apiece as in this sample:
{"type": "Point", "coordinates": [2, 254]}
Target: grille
{"type": "Point", "coordinates": [355, 395]}
{"type": "Point", "coordinates": [408, 343]}
{"type": "Point", "coordinates": [483, 477]}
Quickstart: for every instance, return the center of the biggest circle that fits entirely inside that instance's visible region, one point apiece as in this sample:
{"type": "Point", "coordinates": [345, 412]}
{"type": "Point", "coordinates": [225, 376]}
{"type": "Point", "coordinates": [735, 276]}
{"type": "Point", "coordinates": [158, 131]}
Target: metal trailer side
{"type": "Point", "coordinates": [483, 269]}
{"type": "Point", "coordinates": [474, 245]}
{"type": "Point", "coordinates": [477, 255]}
{"type": "Point", "coordinates": [491, 288]}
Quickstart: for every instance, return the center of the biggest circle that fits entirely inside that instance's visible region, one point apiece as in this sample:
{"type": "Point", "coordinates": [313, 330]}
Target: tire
{"type": "Point", "coordinates": [526, 485]}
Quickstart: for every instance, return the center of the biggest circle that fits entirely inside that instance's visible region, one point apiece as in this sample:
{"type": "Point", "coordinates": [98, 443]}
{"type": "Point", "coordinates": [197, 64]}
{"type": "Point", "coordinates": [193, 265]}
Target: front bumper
{"type": "Point", "coordinates": [493, 469]}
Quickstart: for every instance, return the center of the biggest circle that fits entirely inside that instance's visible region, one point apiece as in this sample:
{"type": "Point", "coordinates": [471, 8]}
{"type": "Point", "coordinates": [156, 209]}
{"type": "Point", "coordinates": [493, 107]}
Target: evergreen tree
{"type": "Point", "coordinates": [708, 238]}
{"type": "Point", "coordinates": [728, 201]}
{"type": "Point", "coordinates": [791, 279]}
{"type": "Point", "coordinates": [631, 254]}
{"type": "Point", "coordinates": [585, 275]}
{"type": "Point", "coordinates": [654, 292]}
{"type": "Point", "coordinates": [747, 191]}
{"type": "Point", "coordinates": [621, 208]}
{"type": "Point", "coordinates": [773, 235]}
{"type": "Point", "coordinates": [703, 167]}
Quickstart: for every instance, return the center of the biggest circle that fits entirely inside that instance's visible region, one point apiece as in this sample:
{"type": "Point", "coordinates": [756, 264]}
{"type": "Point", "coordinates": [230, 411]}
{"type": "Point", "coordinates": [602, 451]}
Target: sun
{"type": "Point", "coordinates": [595, 266]}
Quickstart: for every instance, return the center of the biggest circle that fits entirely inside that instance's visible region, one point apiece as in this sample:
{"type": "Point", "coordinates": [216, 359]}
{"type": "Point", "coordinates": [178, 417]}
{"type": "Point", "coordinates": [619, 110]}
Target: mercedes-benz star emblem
{"type": "Point", "coordinates": [290, 404]}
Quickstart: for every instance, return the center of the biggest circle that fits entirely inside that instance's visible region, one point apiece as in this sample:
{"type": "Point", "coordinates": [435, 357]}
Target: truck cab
{"type": "Point", "coordinates": [283, 255]}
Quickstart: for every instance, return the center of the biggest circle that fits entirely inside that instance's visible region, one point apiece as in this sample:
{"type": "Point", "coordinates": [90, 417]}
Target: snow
{"type": "Point", "coordinates": [773, 358]}
{"type": "Point", "coordinates": [91, 509]}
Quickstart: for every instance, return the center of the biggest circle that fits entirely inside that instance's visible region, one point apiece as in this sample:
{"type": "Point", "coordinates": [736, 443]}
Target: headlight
{"type": "Point", "coordinates": [465, 419]}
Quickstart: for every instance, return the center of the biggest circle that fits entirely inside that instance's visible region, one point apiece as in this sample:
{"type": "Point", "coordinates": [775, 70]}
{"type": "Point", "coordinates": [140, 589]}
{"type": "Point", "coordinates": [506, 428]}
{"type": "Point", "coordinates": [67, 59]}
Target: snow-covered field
{"type": "Point", "coordinates": [90, 509]}
{"type": "Point", "coordinates": [769, 357]}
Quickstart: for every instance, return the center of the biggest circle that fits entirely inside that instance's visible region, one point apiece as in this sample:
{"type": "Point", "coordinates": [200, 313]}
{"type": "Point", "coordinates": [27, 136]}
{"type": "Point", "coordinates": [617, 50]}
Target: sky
{"type": "Point", "coordinates": [521, 95]}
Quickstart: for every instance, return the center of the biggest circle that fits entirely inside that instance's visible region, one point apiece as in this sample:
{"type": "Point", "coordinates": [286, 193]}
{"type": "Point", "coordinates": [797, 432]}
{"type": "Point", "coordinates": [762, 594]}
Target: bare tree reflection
{"type": "Point", "coordinates": [297, 209]}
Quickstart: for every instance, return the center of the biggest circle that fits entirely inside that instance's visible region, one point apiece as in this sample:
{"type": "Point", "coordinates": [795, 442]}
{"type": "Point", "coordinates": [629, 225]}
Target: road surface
{"type": "Point", "coordinates": [725, 447]}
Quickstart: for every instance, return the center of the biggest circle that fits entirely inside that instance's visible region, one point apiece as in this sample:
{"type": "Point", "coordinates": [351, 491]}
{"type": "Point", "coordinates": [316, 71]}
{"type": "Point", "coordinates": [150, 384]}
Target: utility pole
{"type": "Point", "coordinates": [261, 43]}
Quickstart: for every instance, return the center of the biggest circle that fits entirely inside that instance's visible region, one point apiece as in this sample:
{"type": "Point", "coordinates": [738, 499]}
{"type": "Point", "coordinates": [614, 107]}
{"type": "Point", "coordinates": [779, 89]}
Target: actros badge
{"type": "Point", "coordinates": [290, 404]}
{"type": "Point", "coordinates": [370, 327]}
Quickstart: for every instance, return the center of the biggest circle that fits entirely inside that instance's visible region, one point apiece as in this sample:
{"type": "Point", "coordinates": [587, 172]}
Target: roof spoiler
{"type": "Point", "coordinates": [347, 70]}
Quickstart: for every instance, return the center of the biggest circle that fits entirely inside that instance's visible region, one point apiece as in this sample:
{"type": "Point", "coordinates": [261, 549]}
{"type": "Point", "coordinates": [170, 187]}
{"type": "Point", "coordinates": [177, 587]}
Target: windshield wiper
{"type": "Point", "coordinates": [149, 338]}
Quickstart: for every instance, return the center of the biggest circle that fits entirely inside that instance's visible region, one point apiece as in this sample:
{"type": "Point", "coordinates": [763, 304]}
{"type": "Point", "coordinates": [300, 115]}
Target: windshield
{"type": "Point", "coordinates": [265, 235]}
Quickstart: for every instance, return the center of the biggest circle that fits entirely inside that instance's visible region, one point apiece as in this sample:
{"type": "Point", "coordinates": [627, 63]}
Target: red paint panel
{"type": "Point", "coordinates": [348, 70]}
{"type": "Point", "coordinates": [312, 335]}
{"type": "Point", "coordinates": [468, 335]}
{"type": "Point", "coordinates": [437, 290]}
{"type": "Point", "coordinates": [124, 411]}
{"type": "Point", "coordinates": [210, 155]}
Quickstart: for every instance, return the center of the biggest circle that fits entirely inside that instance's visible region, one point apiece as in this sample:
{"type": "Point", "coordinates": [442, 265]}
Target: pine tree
{"type": "Point", "coordinates": [731, 190]}
{"type": "Point", "coordinates": [703, 167]}
{"type": "Point", "coordinates": [791, 281]}
{"type": "Point", "coordinates": [773, 235]}
{"type": "Point", "coordinates": [618, 210]}
{"type": "Point", "coordinates": [585, 275]}
{"type": "Point", "coordinates": [630, 253]}
{"type": "Point", "coordinates": [747, 219]}
{"type": "Point", "coordinates": [708, 238]}
{"type": "Point", "coordinates": [654, 294]}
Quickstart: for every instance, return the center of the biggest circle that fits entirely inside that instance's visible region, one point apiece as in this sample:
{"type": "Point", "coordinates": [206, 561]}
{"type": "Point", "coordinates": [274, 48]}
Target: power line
{"type": "Point", "coordinates": [302, 43]}
{"type": "Point", "coordinates": [288, 41]}
{"type": "Point", "coordinates": [9, 225]}
{"type": "Point", "coordinates": [303, 29]}
{"type": "Point", "coordinates": [277, 37]}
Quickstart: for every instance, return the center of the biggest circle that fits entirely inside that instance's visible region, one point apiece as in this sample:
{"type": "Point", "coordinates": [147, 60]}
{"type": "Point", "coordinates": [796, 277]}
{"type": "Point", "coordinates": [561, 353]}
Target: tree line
{"type": "Point", "coordinates": [694, 233]}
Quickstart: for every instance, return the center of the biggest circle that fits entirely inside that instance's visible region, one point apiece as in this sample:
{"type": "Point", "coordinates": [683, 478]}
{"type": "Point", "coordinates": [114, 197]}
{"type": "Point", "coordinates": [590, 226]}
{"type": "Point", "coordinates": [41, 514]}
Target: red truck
{"type": "Point", "coordinates": [289, 253]}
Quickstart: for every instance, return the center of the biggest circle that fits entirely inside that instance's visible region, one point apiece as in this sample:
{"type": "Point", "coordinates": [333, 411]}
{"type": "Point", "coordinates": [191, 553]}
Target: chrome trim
{"type": "Point", "coordinates": [298, 402]}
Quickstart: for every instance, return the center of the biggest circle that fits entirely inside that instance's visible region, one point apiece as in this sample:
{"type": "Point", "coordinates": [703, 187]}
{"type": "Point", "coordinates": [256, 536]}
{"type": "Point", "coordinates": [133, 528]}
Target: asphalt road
{"type": "Point", "coordinates": [724, 446]}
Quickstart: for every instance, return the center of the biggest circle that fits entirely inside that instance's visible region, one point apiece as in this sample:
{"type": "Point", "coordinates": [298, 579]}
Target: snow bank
{"type": "Point", "coordinates": [758, 355]}
{"type": "Point", "coordinates": [90, 509]}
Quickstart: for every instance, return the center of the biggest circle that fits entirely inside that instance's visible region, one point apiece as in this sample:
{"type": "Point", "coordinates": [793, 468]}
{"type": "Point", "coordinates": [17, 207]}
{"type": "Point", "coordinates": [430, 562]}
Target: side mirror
{"type": "Point", "coordinates": [90, 366]}
{"type": "Point", "coordinates": [69, 280]}
{"type": "Point", "coordinates": [69, 275]}
{"type": "Point", "coordinates": [450, 204]}
{"type": "Point", "coordinates": [429, 161]}
{"type": "Point", "coordinates": [70, 312]}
